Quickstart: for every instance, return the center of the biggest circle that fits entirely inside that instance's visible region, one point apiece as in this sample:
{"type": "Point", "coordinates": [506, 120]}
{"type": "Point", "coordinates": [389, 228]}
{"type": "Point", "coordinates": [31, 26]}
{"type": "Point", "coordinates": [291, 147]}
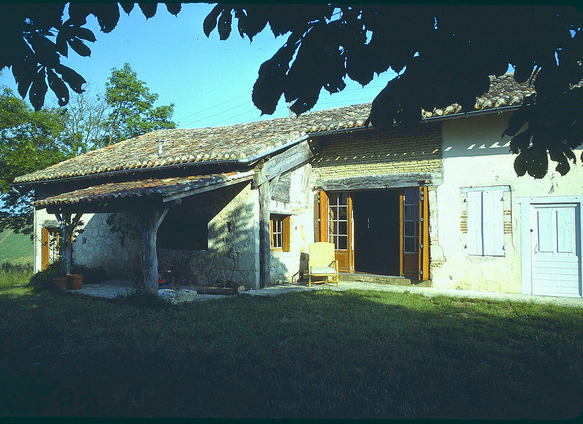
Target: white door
{"type": "Point", "coordinates": [555, 250]}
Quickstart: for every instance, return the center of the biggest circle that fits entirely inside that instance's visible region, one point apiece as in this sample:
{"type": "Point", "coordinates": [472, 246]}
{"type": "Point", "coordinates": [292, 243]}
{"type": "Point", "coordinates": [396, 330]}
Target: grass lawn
{"type": "Point", "coordinates": [320, 354]}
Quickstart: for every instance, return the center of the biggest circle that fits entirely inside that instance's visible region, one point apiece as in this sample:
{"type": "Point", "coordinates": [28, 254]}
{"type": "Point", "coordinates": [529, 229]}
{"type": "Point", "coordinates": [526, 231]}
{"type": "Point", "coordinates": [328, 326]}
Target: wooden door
{"type": "Point", "coordinates": [49, 246]}
{"type": "Point", "coordinates": [414, 233]}
{"type": "Point", "coordinates": [336, 226]}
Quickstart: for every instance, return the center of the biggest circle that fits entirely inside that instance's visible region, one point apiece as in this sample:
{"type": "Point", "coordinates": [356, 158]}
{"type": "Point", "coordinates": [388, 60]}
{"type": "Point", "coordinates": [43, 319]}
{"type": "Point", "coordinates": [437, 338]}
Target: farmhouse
{"type": "Point", "coordinates": [438, 205]}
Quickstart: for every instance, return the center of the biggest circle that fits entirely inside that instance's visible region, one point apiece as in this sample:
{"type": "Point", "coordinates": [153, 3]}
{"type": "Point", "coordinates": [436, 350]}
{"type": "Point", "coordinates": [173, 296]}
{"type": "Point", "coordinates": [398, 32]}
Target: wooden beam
{"type": "Point", "coordinates": [264, 235]}
{"type": "Point", "coordinates": [378, 182]}
{"type": "Point", "coordinates": [282, 163]}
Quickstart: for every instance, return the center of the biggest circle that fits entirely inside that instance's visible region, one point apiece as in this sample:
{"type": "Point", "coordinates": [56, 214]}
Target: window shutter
{"type": "Point", "coordinates": [474, 200]}
{"type": "Point", "coordinates": [286, 234]}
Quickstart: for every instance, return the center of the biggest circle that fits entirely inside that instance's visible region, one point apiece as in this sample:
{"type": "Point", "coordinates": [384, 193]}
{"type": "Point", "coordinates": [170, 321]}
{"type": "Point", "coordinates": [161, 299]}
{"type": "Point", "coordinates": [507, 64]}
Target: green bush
{"type": "Point", "coordinates": [44, 279]}
{"type": "Point", "coordinates": [91, 275]}
{"type": "Point", "coordinates": [14, 274]}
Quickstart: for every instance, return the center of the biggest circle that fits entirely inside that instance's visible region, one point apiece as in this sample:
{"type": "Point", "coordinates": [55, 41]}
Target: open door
{"type": "Point", "coordinates": [49, 246]}
{"type": "Point", "coordinates": [336, 226]}
{"type": "Point", "coordinates": [377, 231]}
{"type": "Point", "coordinates": [414, 233]}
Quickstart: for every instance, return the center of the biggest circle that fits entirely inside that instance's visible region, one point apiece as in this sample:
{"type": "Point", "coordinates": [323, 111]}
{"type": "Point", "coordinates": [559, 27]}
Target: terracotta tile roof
{"type": "Point", "coordinates": [165, 187]}
{"type": "Point", "coordinates": [244, 141]}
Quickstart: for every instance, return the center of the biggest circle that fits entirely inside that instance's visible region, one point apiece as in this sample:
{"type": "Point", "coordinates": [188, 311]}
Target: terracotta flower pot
{"type": "Point", "coordinates": [61, 282]}
{"type": "Point", "coordinates": [75, 281]}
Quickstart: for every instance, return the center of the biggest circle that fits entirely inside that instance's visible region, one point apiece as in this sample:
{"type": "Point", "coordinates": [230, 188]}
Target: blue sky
{"type": "Point", "coordinates": [209, 81]}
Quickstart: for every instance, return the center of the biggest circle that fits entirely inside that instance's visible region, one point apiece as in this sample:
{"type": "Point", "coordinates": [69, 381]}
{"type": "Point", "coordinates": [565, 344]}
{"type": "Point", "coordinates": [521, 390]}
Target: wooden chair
{"type": "Point", "coordinates": [322, 262]}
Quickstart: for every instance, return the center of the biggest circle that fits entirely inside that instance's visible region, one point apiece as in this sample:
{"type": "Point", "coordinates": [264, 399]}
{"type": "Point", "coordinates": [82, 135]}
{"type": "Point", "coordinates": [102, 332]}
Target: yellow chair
{"type": "Point", "coordinates": [322, 262]}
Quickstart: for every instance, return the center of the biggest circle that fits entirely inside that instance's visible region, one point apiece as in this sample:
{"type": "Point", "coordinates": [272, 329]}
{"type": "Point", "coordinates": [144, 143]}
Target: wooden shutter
{"type": "Point", "coordinates": [322, 227]}
{"type": "Point", "coordinates": [44, 248]}
{"type": "Point", "coordinates": [474, 201]}
{"type": "Point", "coordinates": [486, 222]}
{"type": "Point", "coordinates": [286, 234]}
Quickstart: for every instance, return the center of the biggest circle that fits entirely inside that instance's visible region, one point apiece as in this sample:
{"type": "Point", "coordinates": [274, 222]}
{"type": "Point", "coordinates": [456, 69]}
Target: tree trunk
{"type": "Point", "coordinates": [149, 221]}
{"type": "Point", "coordinates": [67, 251]}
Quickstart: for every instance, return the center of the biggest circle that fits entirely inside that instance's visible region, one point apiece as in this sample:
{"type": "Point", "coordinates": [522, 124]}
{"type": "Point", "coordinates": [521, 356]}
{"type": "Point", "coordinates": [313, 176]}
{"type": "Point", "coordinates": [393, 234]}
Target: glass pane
{"type": "Point", "coordinates": [411, 228]}
{"type": "Point", "coordinates": [342, 227]}
{"type": "Point", "coordinates": [342, 242]}
{"type": "Point", "coordinates": [343, 213]}
{"type": "Point", "coordinates": [411, 213]}
{"type": "Point", "coordinates": [344, 199]}
{"type": "Point", "coordinates": [410, 245]}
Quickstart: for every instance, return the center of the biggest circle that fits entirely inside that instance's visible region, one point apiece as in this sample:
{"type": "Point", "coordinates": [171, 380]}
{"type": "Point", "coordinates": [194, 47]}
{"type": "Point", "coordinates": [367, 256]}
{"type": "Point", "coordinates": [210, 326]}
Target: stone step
{"type": "Point", "coordinates": [383, 279]}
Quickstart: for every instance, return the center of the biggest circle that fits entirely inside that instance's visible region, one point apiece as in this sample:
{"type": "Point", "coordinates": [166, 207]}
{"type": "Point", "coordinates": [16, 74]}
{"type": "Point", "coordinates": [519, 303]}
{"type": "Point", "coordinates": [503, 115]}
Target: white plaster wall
{"type": "Point", "coordinates": [474, 155]}
{"type": "Point", "coordinates": [285, 266]}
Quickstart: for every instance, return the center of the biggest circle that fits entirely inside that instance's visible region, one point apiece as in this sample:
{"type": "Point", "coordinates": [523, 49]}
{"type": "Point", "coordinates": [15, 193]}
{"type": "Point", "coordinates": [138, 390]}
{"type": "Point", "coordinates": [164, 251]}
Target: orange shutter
{"type": "Point", "coordinates": [44, 249]}
{"type": "Point", "coordinates": [423, 234]}
{"type": "Point", "coordinates": [322, 227]}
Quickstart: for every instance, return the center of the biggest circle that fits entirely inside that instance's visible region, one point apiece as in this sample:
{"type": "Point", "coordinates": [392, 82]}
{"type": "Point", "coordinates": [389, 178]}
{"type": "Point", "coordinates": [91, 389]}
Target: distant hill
{"type": "Point", "coordinates": [15, 248]}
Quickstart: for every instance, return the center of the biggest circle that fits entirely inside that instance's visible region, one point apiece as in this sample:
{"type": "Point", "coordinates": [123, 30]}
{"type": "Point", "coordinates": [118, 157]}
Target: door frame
{"type": "Point", "coordinates": [526, 204]}
{"type": "Point", "coordinates": [423, 229]}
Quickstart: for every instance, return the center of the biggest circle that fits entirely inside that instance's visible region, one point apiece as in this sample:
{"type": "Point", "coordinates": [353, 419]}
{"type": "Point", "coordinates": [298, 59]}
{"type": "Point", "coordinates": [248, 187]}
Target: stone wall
{"type": "Point", "coordinates": [97, 246]}
{"type": "Point", "coordinates": [233, 240]}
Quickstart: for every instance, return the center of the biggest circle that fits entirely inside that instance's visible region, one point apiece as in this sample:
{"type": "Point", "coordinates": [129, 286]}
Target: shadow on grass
{"type": "Point", "coordinates": [318, 354]}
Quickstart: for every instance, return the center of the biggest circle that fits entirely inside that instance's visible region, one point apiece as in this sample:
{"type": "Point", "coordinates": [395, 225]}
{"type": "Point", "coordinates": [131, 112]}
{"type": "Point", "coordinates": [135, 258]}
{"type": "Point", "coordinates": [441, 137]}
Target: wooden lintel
{"type": "Point", "coordinates": [379, 182]}
{"type": "Point", "coordinates": [184, 194]}
{"type": "Point", "coordinates": [282, 163]}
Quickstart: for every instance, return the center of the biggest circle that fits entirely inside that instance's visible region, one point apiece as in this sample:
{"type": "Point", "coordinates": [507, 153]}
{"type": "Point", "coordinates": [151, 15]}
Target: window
{"type": "Point", "coordinates": [280, 233]}
{"type": "Point", "coordinates": [411, 221]}
{"type": "Point", "coordinates": [485, 222]}
{"type": "Point", "coordinates": [338, 220]}
{"type": "Point", "coordinates": [183, 230]}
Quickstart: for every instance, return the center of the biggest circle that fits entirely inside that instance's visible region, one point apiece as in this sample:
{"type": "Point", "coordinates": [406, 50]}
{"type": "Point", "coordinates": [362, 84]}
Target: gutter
{"type": "Point", "coordinates": [471, 113]}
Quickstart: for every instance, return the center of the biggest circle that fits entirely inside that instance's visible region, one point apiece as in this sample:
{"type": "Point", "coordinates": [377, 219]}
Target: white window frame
{"type": "Point", "coordinates": [485, 220]}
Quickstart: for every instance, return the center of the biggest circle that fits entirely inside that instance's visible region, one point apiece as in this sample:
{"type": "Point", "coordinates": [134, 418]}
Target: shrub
{"type": "Point", "coordinates": [14, 274]}
{"type": "Point", "coordinates": [90, 274]}
{"type": "Point", "coordinates": [44, 279]}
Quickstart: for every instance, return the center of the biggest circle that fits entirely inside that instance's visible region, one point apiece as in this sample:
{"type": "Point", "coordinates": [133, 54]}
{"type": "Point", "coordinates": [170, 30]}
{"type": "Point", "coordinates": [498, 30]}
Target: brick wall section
{"type": "Point", "coordinates": [373, 153]}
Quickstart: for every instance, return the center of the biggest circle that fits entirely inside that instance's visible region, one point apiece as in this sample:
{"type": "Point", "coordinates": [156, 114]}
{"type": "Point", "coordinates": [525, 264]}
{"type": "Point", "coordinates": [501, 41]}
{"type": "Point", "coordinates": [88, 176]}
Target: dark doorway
{"type": "Point", "coordinates": [376, 232]}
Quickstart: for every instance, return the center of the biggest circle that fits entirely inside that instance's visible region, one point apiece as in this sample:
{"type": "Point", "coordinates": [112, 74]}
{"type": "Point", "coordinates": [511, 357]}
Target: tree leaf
{"type": "Point", "coordinates": [127, 7]}
{"type": "Point", "coordinates": [174, 8]}
{"type": "Point", "coordinates": [80, 48]}
{"type": "Point", "coordinates": [58, 87]}
{"type": "Point", "coordinates": [38, 90]}
{"type": "Point", "coordinates": [210, 22]}
{"type": "Point", "coordinates": [224, 24]}
{"type": "Point", "coordinates": [148, 9]}
{"type": "Point", "coordinates": [85, 34]}
{"type": "Point", "coordinates": [521, 141]}
{"type": "Point", "coordinates": [71, 77]}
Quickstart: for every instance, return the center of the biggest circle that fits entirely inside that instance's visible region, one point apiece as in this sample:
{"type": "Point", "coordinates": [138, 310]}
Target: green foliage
{"type": "Point", "coordinates": [29, 141]}
{"type": "Point", "coordinates": [132, 107]}
{"type": "Point", "coordinates": [442, 54]}
{"type": "Point", "coordinates": [43, 280]}
{"type": "Point", "coordinates": [91, 275]}
{"type": "Point", "coordinates": [35, 37]}
{"type": "Point", "coordinates": [14, 274]}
